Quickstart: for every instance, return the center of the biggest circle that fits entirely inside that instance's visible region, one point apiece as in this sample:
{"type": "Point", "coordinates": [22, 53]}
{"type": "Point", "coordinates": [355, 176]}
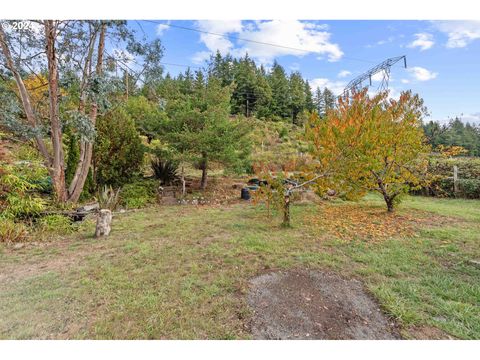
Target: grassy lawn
{"type": "Point", "coordinates": [182, 272]}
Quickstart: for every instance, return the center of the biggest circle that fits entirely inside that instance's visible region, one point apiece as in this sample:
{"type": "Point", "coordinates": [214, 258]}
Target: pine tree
{"type": "Point", "coordinates": [318, 102]}
{"type": "Point", "coordinates": [297, 95]}
{"type": "Point", "coordinates": [202, 131]}
{"type": "Point", "coordinates": [309, 105]}
{"type": "Point", "coordinates": [280, 91]}
{"type": "Point", "coordinates": [245, 96]}
{"type": "Point", "coordinates": [329, 99]}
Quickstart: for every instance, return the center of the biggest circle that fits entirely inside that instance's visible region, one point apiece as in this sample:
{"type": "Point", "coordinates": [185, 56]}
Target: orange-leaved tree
{"type": "Point", "coordinates": [370, 143]}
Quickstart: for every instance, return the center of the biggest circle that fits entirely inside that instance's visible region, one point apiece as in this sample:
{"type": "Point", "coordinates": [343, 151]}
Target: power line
{"type": "Point", "coordinates": [247, 40]}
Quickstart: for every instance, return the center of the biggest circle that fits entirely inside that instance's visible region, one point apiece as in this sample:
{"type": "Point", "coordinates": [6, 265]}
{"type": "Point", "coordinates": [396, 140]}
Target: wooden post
{"type": "Point", "coordinates": [455, 180]}
{"type": "Point", "coordinates": [183, 183]}
{"type": "Point", "coordinates": [286, 209]}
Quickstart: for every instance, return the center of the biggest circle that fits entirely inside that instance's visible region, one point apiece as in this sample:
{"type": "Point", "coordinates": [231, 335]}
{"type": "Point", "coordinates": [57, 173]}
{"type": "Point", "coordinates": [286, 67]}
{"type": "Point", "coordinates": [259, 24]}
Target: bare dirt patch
{"type": "Point", "coordinates": [304, 304]}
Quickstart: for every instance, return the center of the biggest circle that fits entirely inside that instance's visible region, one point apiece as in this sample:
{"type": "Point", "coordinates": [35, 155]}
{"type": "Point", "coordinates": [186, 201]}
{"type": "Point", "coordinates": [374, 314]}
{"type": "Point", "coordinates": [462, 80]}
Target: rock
{"type": "Point", "coordinates": [194, 202]}
{"type": "Point", "coordinates": [104, 220]}
{"type": "Point", "coordinates": [88, 207]}
{"type": "Point", "coordinates": [18, 246]}
{"type": "Point", "coordinates": [474, 263]}
{"type": "Point", "coordinates": [331, 192]}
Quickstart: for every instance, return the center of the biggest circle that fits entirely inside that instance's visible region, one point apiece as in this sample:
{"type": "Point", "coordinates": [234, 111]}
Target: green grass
{"type": "Point", "coordinates": [182, 272]}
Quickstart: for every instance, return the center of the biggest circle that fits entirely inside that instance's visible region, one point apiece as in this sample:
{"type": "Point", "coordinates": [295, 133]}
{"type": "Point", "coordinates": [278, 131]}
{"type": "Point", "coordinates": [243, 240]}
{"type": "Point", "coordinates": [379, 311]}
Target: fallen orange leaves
{"type": "Point", "coordinates": [356, 222]}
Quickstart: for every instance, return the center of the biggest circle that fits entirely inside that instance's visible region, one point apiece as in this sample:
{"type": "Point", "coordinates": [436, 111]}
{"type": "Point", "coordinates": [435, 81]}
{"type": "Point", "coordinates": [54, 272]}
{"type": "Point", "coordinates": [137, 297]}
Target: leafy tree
{"type": "Point", "coordinates": [370, 144]}
{"type": "Point", "coordinates": [119, 151]}
{"type": "Point", "coordinates": [147, 115]}
{"type": "Point", "coordinates": [72, 56]}
{"type": "Point", "coordinates": [200, 129]}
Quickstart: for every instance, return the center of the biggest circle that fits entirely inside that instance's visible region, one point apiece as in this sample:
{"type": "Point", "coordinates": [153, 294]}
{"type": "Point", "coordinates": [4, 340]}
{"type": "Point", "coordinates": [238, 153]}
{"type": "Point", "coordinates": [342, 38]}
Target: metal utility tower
{"type": "Point", "coordinates": [384, 67]}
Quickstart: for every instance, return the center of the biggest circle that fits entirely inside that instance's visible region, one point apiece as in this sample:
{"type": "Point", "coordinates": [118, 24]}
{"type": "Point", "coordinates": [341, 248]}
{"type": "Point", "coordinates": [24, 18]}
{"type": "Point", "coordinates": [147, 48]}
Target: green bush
{"type": "Point", "coordinates": [18, 198]}
{"type": "Point", "coordinates": [165, 171]}
{"type": "Point", "coordinates": [119, 151]}
{"type": "Point", "coordinates": [58, 224]}
{"type": "Point", "coordinates": [139, 194]}
{"type": "Point", "coordinates": [441, 170]}
{"type": "Point", "coordinates": [11, 231]}
{"type": "Point", "coordinates": [469, 188]}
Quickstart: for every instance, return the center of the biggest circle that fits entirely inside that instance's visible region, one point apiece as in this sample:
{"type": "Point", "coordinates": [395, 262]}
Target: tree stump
{"type": "Point", "coordinates": [104, 219]}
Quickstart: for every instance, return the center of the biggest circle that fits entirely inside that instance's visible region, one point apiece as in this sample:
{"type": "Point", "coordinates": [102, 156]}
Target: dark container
{"type": "Point", "coordinates": [245, 194]}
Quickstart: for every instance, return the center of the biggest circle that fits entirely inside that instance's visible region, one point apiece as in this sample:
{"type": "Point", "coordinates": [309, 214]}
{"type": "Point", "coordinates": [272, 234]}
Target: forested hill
{"type": "Point", "coordinates": [270, 94]}
{"type": "Point", "coordinates": [455, 133]}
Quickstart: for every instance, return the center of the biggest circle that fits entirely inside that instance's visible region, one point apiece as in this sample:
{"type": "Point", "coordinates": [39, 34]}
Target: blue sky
{"type": "Point", "coordinates": [443, 57]}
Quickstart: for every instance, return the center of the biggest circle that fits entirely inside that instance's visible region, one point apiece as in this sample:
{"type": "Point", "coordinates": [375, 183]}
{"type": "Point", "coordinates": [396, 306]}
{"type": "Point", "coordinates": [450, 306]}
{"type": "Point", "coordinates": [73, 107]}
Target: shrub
{"type": "Point", "coordinates": [108, 198]}
{"type": "Point", "coordinates": [139, 194]}
{"type": "Point", "coordinates": [165, 171]}
{"type": "Point", "coordinates": [58, 224]}
{"type": "Point", "coordinates": [17, 199]}
{"type": "Point", "coordinates": [11, 231]}
{"type": "Point", "coordinates": [118, 149]}
{"type": "Point", "coordinates": [469, 188]}
{"type": "Point", "coordinates": [441, 171]}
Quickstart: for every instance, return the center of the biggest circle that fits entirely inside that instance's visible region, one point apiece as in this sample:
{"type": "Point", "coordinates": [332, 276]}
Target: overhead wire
{"type": "Point", "coordinates": [227, 36]}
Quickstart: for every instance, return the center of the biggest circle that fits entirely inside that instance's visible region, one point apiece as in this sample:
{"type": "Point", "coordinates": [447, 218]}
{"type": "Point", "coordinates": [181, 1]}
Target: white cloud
{"type": "Point", "coordinates": [378, 76]}
{"type": "Point", "coordinates": [422, 74]}
{"type": "Point", "coordinates": [405, 81]}
{"type": "Point", "coordinates": [460, 33]}
{"type": "Point", "coordinates": [472, 118]}
{"type": "Point", "coordinates": [344, 73]}
{"type": "Point", "coordinates": [160, 29]}
{"type": "Point", "coordinates": [336, 86]}
{"type": "Point", "coordinates": [213, 41]}
{"type": "Point", "coordinates": [386, 41]}
{"type": "Point", "coordinates": [423, 40]}
{"type": "Point", "coordinates": [307, 37]}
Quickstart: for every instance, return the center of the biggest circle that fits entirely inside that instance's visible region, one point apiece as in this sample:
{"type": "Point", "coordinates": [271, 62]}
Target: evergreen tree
{"type": "Point", "coordinates": [318, 101]}
{"type": "Point", "coordinates": [244, 97]}
{"type": "Point", "coordinates": [297, 95]}
{"type": "Point", "coordinates": [201, 131]}
{"type": "Point", "coordinates": [309, 104]}
{"type": "Point", "coordinates": [118, 154]}
{"type": "Point", "coordinates": [280, 91]}
{"type": "Point", "coordinates": [329, 100]}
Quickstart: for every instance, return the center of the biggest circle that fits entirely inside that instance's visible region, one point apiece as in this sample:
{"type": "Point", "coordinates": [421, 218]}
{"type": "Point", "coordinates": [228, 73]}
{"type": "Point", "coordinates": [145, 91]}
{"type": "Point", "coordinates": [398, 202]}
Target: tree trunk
{"type": "Point", "coordinates": [203, 183]}
{"type": "Point", "coordinates": [203, 167]}
{"type": "Point", "coordinates": [58, 163]}
{"type": "Point", "coordinates": [27, 105]}
{"type": "Point", "coordinates": [86, 148]}
{"type": "Point", "coordinates": [389, 202]}
{"type": "Point", "coordinates": [286, 209]}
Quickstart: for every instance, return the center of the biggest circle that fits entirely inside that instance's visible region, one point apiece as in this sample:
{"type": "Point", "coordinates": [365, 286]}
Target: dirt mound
{"type": "Point", "coordinates": [315, 305]}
